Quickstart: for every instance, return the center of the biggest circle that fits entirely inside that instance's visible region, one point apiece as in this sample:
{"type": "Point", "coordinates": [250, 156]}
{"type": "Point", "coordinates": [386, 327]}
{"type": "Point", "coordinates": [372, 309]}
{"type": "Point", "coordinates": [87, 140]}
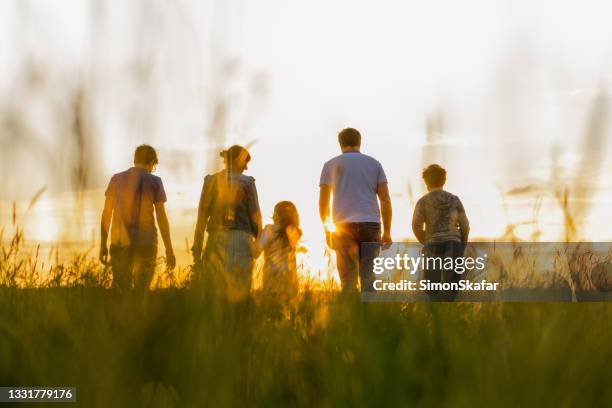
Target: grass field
{"type": "Point", "coordinates": [179, 347]}
{"type": "Point", "coordinates": [183, 346]}
{"type": "Point", "coordinates": [186, 347]}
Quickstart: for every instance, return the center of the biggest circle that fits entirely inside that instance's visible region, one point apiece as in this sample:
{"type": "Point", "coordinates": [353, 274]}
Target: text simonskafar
{"type": "Point", "coordinates": [411, 264]}
{"type": "Point", "coordinates": [427, 285]}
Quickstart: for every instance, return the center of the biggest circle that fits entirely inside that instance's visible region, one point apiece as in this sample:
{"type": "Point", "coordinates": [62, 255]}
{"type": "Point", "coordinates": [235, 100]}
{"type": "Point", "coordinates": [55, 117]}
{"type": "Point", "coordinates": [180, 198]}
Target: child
{"type": "Point", "coordinates": [279, 242]}
{"type": "Point", "coordinates": [134, 201]}
{"type": "Point", "coordinates": [440, 224]}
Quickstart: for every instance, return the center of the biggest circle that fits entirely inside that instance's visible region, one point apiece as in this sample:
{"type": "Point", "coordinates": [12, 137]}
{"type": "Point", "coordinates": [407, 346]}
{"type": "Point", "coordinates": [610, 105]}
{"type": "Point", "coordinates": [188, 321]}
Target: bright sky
{"type": "Point", "coordinates": [510, 80]}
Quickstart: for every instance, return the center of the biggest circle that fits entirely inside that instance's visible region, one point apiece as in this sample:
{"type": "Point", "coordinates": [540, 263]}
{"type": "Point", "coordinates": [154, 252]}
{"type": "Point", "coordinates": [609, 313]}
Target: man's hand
{"type": "Point", "coordinates": [170, 259]}
{"type": "Point", "coordinates": [386, 211]}
{"type": "Point", "coordinates": [103, 254]}
{"type": "Point", "coordinates": [105, 223]}
{"type": "Point", "coordinates": [386, 240]}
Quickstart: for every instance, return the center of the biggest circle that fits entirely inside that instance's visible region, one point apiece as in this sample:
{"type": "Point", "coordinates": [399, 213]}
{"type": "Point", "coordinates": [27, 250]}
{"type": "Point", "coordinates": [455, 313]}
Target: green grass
{"type": "Point", "coordinates": [185, 347]}
{"type": "Point", "coordinates": [180, 347]}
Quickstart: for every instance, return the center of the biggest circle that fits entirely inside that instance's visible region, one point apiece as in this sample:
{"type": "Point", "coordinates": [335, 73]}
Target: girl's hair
{"type": "Point", "coordinates": [285, 215]}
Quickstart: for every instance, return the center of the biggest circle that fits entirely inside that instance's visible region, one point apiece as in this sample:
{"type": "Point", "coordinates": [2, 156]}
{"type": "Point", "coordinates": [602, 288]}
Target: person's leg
{"type": "Point", "coordinates": [432, 270]}
{"type": "Point", "coordinates": [347, 257]}
{"type": "Point", "coordinates": [369, 249]}
{"type": "Point", "coordinates": [145, 257]}
{"type": "Point", "coordinates": [121, 264]}
{"type": "Point", "coordinates": [454, 250]}
{"type": "Point", "coordinates": [240, 263]}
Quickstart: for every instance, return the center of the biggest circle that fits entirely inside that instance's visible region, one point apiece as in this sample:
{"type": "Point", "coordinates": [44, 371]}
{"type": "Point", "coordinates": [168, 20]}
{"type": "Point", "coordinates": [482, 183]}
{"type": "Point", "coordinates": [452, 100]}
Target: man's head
{"type": "Point", "coordinates": [145, 156]}
{"type": "Point", "coordinates": [350, 140]}
{"type": "Point", "coordinates": [434, 176]}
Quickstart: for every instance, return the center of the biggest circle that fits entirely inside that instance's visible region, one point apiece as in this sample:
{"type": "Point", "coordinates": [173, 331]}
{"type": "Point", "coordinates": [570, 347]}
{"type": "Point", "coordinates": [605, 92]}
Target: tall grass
{"type": "Point", "coordinates": [186, 346]}
{"type": "Point", "coordinates": [180, 347]}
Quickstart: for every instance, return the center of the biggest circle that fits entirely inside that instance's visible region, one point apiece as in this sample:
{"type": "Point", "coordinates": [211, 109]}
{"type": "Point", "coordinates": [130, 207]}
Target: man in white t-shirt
{"type": "Point", "coordinates": [358, 183]}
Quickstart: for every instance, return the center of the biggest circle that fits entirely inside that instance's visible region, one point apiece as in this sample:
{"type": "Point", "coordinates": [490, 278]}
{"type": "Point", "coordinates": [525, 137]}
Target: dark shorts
{"type": "Point", "coordinates": [353, 258]}
{"type": "Point", "coordinates": [133, 266]}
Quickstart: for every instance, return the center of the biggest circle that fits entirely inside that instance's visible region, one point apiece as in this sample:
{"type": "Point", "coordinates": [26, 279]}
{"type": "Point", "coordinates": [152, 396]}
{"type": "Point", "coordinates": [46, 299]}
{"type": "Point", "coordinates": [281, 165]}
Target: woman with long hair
{"type": "Point", "coordinates": [229, 212]}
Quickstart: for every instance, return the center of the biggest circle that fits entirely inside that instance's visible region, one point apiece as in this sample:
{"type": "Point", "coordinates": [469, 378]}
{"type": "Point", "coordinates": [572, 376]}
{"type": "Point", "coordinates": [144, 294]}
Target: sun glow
{"type": "Point", "coordinates": [329, 225]}
{"type": "Point", "coordinates": [45, 221]}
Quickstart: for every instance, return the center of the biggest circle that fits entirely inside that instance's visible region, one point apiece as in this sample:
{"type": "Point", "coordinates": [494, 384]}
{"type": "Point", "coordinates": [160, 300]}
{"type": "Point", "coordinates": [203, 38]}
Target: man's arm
{"type": "Point", "coordinates": [164, 229]}
{"type": "Point", "coordinates": [386, 211]}
{"type": "Point", "coordinates": [418, 223]}
{"type": "Point", "coordinates": [324, 211]}
{"type": "Point", "coordinates": [107, 213]}
{"type": "Point", "coordinates": [324, 199]}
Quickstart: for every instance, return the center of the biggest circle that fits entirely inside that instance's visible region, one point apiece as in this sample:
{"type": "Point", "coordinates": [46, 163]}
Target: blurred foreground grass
{"type": "Point", "coordinates": [183, 347]}
{"type": "Point", "coordinates": [180, 346]}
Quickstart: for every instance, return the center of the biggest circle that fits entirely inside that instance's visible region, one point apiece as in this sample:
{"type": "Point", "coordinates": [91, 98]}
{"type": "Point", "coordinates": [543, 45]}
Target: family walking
{"type": "Point", "coordinates": [353, 193]}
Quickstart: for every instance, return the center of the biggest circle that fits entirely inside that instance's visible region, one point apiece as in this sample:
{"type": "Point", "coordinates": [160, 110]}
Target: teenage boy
{"type": "Point", "coordinates": [135, 200]}
{"type": "Point", "coordinates": [440, 224]}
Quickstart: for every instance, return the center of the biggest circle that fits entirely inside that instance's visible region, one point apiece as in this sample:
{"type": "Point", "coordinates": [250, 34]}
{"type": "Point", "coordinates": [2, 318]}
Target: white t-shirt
{"type": "Point", "coordinates": [354, 178]}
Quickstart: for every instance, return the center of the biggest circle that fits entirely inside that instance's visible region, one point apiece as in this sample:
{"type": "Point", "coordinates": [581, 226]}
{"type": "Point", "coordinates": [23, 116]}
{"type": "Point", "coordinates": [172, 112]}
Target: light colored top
{"type": "Point", "coordinates": [280, 266]}
{"type": "Point", "coordinates": [354, 178]}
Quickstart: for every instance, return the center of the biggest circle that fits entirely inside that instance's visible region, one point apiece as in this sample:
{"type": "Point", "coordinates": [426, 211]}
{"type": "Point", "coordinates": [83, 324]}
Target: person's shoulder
{"type": "Point", "coordinates": [429, 196]}
{"type": "Point", "coordinates": [368, 157]}
{"type": "Point", "coordinates": [153, 179]}
{"type": "Point", "coordinates": [445, 196]}
{"type": "Point", "coordinates": [246, 178]}
{"type": "Point", "coordinates": [372, 160]}
{"type": "Point", "coordinates": [121, 174]}
{"type": "Point", "coordinates": [423, 199]}
{"type": "Point", "coordinates": [213, 175]}
{"type": "Point", "coordinates": [333, 161]}
{"type": "Point", "coordinates": [454, 198]}
{"type": "Point", "coordinates": [449, 195]}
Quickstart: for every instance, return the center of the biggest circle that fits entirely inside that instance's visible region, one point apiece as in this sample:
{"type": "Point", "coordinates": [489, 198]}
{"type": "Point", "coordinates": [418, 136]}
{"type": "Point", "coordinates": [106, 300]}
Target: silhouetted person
{"type": "Point", "coordinates": [229, 211]}
{"type": "Point", "coordinates": [440, 224]}
{"type": "Point", "coordinates": [135, 199]}
{"type": "Point", "coordinates": [357, 182]}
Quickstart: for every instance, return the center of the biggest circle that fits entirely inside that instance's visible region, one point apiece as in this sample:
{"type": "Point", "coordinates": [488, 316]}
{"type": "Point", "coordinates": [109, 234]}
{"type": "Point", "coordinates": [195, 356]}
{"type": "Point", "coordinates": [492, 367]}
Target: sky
{"type": "Point", "coordinates": [508, 89]}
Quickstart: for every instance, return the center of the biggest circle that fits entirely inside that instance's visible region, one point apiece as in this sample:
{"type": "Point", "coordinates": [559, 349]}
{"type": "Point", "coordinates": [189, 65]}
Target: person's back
{"type": "Point", "coordinates": [354, 178]}
{"type": "Point", "coordinates": [134, 193]}
{"type": "Point", "coordinates": [235, 197]}
{"type": "Point", "coordinates": [442, 213]}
